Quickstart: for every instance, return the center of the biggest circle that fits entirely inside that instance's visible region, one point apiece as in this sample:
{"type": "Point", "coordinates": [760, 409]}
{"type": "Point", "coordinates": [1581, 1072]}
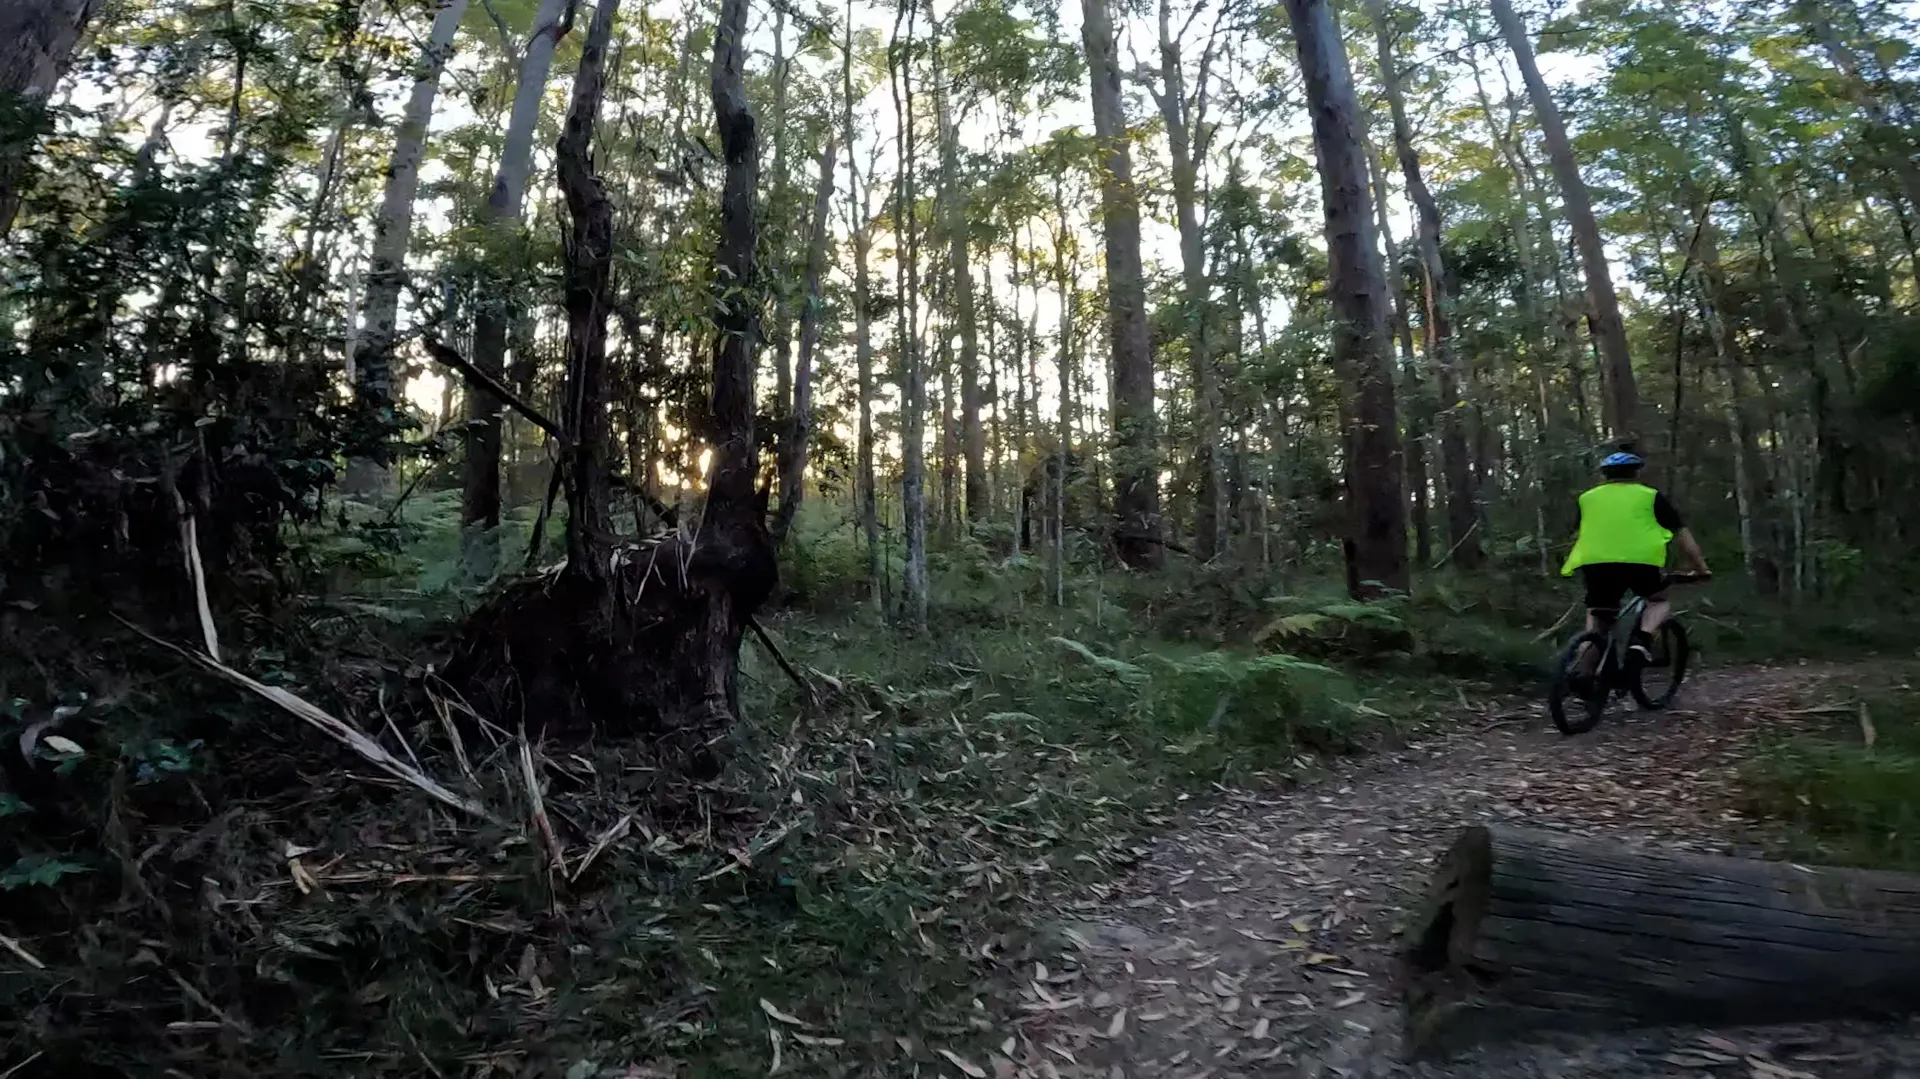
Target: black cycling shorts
{"type": "Point", "coordinates": [1608, 582]}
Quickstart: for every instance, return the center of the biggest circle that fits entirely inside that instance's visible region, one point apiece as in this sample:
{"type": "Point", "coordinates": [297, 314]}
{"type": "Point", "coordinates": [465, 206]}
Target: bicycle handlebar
{"type": "Point", "coordinates": [1688, 578]}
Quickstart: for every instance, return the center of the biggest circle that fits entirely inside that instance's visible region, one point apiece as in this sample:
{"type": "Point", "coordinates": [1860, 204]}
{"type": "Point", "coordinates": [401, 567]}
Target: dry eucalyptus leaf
{"type": "Point", "coordinates": [972, 1070]}
{"type": "Point", "coordinates": [775, 1013]}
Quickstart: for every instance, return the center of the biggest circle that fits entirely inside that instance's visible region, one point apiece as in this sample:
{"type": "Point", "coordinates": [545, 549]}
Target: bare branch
{"type": "Point", "coordinates": [453, 359]}
{"type": "Point", "coordinates": [500, 27]}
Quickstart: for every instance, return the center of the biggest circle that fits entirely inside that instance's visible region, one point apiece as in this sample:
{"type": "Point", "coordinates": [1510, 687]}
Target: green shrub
{"type": "Point", "coordinates": [1343, 630]}
{"type": "Point", "coordinates": [1274, 701]}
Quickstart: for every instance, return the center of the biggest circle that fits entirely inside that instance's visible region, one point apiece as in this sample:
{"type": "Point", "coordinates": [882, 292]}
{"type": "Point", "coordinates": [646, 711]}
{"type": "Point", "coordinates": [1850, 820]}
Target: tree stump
{"type": "Point", "coordinates": [1529, 931]}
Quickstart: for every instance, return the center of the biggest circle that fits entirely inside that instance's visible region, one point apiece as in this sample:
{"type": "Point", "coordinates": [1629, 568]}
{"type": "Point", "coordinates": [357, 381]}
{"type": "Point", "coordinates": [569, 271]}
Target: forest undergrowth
{"type": "Point", "coordinates": [213, 885]}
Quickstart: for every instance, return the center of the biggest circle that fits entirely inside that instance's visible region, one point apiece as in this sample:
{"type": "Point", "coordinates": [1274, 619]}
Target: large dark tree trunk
{"type": "Point", "coordinates": [793, 442]}
{"type": "Point", "coordinates": [733, 543]}
{"type": "Point", "coordinates": [1603, 305]}
{"type": "Point", "coordinates": [1529, 931]}
{"type": "Point", "coordinates": [1462, 513]}
{"type": "Point", "coordinates": [37, 38]}
{"type": "Point", "coordinates": [1136, 465]}
{"type": "Point", "coordinates": [1362, 346]}
{"type": "Point", "coordinates": [589, 294]}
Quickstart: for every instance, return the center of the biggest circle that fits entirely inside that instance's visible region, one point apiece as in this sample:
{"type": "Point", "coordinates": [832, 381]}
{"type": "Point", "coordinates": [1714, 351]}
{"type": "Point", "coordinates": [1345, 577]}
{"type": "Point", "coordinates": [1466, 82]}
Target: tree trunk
{"type": "Point", "coordinates": [1528, 931]}
{"type": "Point", "coordinates": [640, 639]}
{"type": "Point", "coordinates": [1362, 346]}
{"type": "Point", "coordinates": [1462, 512]}
{"type": "Point", "coordinates": [1603, 311]}
{"type": "Point", "coordinates": [1413, 398]}
{"type": "Point", "coordinates": [972, 435]}
{"type": "Point", "coordinates": [589, 293]}
{"type": "Point", "coordinates": [868, 493]}
{"type": "Point", "coordinates": [480, 500]}
{"type": "Point", "coordinates": [1136, 466]}
{"type": "Point", "coordinates": [1753, 496]}
{"type": "Point", "coordinates": [949, 432]}
{"type": "Point", "coordinates": [781, 336]}
{"type": "Point", "coordinates": [1063, 453]}
{"type": "Point", "coordinates": [386, 273]}
{"type": "Point", "coordinates": [912, 379]}
{"type": "Point", "coordinates": [37, 39]}
{"type": "Point", "coordinates": [793, 444]}
{"type": "Point", "coordinates": [1185, 125]}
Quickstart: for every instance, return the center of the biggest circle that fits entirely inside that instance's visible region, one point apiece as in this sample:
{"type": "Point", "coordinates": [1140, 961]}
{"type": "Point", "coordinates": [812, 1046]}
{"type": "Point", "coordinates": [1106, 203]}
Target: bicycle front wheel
{"type": "Point", "coordinates": [1578, 701]}
{"type": "Point", "coordinates": [1655, 684]}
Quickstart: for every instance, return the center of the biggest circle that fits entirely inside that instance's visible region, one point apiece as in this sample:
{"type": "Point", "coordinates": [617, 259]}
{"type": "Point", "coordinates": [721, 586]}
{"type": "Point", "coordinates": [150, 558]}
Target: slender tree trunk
{"type": "Point", "coordinates": [1412, 392]}
{"type": "Point", "coordinates": [972, 435]}
{"type": "Point", "coordinates": [866, 485]}
{"type": "Point", "coordinates": [1610, 333]}
{"type": "Point", "coordinates": [1752, 494]}
{"type": "Point", "coordinates": [37, 39]}
{"type": "Point", "coordinates": [949, 430]}
{"type": "Point", "coordinates": [781, 335]}
{"type": "Point", "coordinates": [1462, 513]}
{"type": "Point", "coordinates": [1063, 453]}
{"type": "Point", "coordinates": [913, 467]}
{"type": "Point", "coordinates": [1362, 344]}
{"type": "Point", "coordinates": [480, 500]}
{"type": "Point", "coordinates": [1185, 124]}
{"type": "Point", "coordinates": [1136, 466]}
{"type": "Point", "coordinates": [793, 444]}
{"type": "Point", "coordinates": [1022, 350]}
{"type": "Point", "coordinates": [589, 293]}
{"type": "Point", "coordinates": [386, 273]}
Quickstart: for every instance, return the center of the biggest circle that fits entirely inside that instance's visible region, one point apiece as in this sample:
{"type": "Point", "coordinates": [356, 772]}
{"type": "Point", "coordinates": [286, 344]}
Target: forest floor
{"type": "Point", "coordinates": [1259, 936]}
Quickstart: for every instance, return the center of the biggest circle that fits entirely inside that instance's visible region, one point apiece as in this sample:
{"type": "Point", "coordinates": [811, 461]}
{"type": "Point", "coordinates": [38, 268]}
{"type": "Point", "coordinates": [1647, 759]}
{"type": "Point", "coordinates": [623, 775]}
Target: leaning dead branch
{"type": "Point", "coordinates": [328, 724]}
{"type": "Point", "coordinates": [813, 699]}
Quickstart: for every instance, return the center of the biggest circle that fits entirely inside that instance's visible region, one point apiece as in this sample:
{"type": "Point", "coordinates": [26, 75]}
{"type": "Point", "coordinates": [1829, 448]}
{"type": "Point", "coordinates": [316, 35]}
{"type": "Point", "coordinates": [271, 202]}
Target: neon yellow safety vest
{"type": "Point", "coordinates": [1617, 524]}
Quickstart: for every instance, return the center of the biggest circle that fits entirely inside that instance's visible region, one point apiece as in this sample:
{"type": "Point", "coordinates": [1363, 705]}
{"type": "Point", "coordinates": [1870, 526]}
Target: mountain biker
{"type": "Point", "coordinates": [1625, 527]}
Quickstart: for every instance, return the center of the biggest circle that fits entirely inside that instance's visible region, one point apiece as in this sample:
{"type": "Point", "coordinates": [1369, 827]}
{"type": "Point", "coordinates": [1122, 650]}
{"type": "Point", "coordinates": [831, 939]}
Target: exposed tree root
{"type": "Point", "coordinates": [654, 654]}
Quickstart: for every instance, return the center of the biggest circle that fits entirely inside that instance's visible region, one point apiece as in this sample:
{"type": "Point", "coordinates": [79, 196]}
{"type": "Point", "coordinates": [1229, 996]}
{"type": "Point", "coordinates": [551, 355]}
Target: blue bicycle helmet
{"type": "Point", "coordinates": [1623, 460]}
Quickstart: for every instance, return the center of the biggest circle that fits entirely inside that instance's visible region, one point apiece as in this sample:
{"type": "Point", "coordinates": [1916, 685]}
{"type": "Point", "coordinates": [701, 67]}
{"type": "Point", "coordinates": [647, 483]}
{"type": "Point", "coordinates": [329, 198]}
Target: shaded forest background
{"type": "Point", "coordinates": [771, 461]}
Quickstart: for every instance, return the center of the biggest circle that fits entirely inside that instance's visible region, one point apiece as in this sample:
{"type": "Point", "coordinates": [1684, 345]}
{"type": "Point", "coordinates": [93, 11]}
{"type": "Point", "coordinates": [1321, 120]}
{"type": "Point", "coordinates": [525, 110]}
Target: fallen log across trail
{"type": "Point", "coordinates": [1529, 932]}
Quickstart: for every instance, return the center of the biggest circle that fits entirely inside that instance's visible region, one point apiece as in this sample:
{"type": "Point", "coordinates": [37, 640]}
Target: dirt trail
{"type": "Point", "coordinates": [1258, 938]}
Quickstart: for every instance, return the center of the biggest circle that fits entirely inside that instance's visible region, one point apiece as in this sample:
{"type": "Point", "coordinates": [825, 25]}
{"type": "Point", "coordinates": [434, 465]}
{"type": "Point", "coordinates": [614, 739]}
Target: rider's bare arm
{"type": "Point", "coordinates": [1690, 548]}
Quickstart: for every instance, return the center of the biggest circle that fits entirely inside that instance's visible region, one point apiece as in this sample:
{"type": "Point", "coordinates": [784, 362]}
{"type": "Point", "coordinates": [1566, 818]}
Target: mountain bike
{"type": "Point", "coordinates": [1578, 701]}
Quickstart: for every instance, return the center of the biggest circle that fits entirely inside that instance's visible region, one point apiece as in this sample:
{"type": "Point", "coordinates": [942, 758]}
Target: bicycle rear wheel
{"type": "Point", "coordinates": [1577, 702]}
{"type": "Point", "coordinates": [1655, 685]}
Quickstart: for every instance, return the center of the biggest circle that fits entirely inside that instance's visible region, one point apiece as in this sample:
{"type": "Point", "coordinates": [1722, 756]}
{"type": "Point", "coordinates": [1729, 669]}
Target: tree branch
{"type": "Point", "coordinates": [506, 35]}
{"type": "Point", "coordinates": [474, 375]}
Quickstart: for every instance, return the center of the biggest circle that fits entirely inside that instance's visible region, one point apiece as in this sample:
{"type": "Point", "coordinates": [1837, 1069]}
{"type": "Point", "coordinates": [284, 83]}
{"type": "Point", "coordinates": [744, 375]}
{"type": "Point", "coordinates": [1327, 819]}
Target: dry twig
{"type": "Point", "coordinates": [26, 956]}
{"type": "Point", "coordinates": [537, 807]}
{"type": "Point", "coordinates": [608, 838]}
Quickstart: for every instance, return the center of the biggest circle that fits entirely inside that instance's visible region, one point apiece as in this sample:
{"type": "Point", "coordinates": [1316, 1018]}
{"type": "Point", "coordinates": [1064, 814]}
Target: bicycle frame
{"type": "Point", "coordinates": [1626, 622]}
{"type": "Point", "coordinates": [1625, 625]}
